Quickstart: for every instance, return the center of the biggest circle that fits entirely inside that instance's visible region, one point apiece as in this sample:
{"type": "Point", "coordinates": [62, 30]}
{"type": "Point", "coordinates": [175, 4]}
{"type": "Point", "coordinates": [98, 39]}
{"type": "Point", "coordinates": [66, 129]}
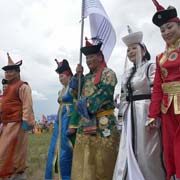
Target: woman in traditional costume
{"type": "Point", "coordinates": [140, 149]}
{"type": "Point", "coordinates": [165, 100]}
{"type": "Point", "coordinates": [60, 151]}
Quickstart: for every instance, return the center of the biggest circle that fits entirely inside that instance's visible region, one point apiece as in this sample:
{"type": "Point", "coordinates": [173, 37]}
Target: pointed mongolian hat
{"type": "Point", "coordinates": [11, 65]}
{"type": "Point", "coordinates": [63, 67]}
{"type": "Point", "coordinates": [163, 15]}
{"type": "Point", "coordinates": [132, 37]}
{"type": "Point", "coordinates": [91, 48]}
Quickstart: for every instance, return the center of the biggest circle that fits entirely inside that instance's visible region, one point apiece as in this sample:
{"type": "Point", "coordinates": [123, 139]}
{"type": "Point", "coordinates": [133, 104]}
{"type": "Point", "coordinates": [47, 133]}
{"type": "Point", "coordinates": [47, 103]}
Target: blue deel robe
{"type": "Point", "coordinates": [60, 151]}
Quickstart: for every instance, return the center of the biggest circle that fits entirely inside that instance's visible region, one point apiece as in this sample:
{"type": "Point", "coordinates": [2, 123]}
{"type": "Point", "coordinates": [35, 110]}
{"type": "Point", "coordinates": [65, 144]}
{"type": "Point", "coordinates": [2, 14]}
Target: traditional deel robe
{"type": "Point", "coordinates": [1, 124]}
{"type": "Point", "coordinates": [166, 102]}
{"type": "Point", "coordinates": [13, 139]}
{"type": "Point", "coordinates": [95, 155]}
{"type": "Point", "coordinates": [140, 151]}
{"type": "Point", "coordinates": [61, 147]}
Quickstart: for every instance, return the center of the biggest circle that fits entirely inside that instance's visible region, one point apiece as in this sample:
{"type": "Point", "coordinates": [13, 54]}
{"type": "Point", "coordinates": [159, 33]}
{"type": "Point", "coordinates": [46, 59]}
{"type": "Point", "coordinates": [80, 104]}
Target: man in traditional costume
{"type": "Point", "coordinates": [97, 138]}
{"type": "Point", "coordinates": [165, 100]}
{"type": "Point", "coordinates": [17, 117]}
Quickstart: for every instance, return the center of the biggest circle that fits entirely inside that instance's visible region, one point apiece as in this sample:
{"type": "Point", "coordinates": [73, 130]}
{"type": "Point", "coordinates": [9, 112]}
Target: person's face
{"type": "Point", "coordinates": [11, 75]}
{"type": "Point", "coordinates": [93, 62]}
{"type": "Point", "coordinates": [64, 79]}
{"type": "Point", "coordinates": [132, 52]}
{"type": "Point", "coordinates": [170, 32]}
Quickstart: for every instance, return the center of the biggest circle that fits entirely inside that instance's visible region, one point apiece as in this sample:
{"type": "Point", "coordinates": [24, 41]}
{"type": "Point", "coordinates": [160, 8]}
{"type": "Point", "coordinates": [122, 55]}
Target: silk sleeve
{"type": "Point", "coordinates": [27, 105]}
{"type": "Point", "coordinates": [156, 98]}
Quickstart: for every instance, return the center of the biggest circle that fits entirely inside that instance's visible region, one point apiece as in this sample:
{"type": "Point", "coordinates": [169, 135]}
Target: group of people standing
{"type": "Point", "coordinates": [90, 118]}
{"type": "Point", "coordinates": [86, 143]}
{"type": "Point", "coordinates": [149, 143]}
{"type": "Point", "coordinates": [149, 139]}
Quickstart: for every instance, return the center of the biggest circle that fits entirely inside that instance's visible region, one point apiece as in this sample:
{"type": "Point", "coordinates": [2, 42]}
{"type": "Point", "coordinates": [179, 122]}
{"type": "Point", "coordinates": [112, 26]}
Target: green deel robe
{"type": "Point", "coordinates": [95, 155]}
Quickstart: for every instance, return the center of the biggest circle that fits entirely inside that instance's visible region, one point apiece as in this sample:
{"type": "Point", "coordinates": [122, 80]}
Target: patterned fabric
{"type": "Point", "coordinates": [95, 154]}
{"type": "Point", "coordinates": [94, 157]}
{"type": "Point", "coordinates": [99, 97]}
{"type": "Point", "coordinates": [102, 94]}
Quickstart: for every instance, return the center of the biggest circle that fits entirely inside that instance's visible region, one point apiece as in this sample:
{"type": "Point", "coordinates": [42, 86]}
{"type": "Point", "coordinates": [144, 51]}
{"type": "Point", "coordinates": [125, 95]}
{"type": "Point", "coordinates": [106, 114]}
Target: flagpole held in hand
{"type": "Point", "coordinates": [81, 44]}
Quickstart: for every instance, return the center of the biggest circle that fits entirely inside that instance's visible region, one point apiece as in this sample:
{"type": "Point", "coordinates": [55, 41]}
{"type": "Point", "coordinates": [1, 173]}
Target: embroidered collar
{"type": "Point", "coordinates": [174, 46]}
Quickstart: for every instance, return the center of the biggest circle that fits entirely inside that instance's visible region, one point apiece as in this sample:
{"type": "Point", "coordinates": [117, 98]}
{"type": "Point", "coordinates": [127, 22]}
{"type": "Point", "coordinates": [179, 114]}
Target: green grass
{"type": "Point", "coordinates": [37, 155]}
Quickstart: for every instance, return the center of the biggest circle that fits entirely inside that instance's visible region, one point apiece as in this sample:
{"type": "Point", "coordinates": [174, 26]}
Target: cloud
{"type": "Point", "coordinates": [38, 96]}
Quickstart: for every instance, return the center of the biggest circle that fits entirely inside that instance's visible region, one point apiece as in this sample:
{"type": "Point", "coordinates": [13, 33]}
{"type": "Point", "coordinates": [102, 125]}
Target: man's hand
{"type": "Point", "coordinates": [82, 108]}
{"type": "Point", "coordinates": [79, 69]}
{"type": "Point", "coordinates": [116, 97]}
{"type": "Point", "coordinates": [71, 130]}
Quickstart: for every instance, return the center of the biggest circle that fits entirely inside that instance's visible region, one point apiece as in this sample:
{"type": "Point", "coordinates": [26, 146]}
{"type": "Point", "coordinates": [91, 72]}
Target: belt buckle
{"type": "Point", "coordinates": [103, 122]}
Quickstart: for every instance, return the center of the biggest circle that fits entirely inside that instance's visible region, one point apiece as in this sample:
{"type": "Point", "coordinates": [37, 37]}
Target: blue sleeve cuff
{"type": "Point", "coordinates": [25, 126]}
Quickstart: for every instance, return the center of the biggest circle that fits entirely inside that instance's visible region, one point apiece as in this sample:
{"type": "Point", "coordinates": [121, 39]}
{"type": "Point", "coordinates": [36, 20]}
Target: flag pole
{"type": "Point", "coordinates": [81, 44]}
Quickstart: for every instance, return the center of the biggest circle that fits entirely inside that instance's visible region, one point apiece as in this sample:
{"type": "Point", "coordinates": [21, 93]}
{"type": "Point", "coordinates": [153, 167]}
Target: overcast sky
{"type": "Point", "coordinates": [39, 31]}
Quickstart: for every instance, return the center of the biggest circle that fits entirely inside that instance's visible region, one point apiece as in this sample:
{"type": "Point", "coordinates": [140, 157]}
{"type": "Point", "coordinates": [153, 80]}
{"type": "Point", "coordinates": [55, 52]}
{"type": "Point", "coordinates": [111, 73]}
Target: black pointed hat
{"type": "Point", "coordinates": [11, 65]}
{"type": "Point", "coordinates": [63, 66]}
{"type": "Point", "coordinates": [90, 48]}
{"type": "Point", "coordinates": [163, 15]}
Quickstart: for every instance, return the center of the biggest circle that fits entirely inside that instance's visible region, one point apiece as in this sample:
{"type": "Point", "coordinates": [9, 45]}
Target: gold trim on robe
{"type": "Point", "coordinates": [172, 89]}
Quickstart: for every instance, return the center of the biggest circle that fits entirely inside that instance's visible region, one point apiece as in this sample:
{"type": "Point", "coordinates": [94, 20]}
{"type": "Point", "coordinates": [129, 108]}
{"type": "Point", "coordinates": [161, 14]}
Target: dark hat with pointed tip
{"type": "Point", "coordinates": [11, 65]}
{"type": "Point", "coordinates": [163, 15]}
{"type": "Point", "coordinates": [63, 66]}
{"type": "Point", "coordinates": [90, 48]}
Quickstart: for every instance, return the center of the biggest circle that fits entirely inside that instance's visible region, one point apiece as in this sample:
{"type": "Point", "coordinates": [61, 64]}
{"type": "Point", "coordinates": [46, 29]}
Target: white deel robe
{"type": "Point", "coordinates": [145, 162]}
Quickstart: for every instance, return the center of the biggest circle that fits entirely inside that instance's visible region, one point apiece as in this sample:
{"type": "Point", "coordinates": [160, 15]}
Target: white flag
{"type": "Point", "coordinates": [100, 26]}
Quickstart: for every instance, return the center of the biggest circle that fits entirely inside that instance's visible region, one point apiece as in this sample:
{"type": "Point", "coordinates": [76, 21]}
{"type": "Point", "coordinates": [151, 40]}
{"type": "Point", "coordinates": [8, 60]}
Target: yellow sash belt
{"type": "Point", "coordinates": [171, 88]}
{"type": "Point", "coordinates": [105, 113]}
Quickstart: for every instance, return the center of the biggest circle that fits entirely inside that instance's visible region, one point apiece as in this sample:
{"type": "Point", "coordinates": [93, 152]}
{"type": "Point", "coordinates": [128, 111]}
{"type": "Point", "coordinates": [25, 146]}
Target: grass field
{"type": "Point", "coordinates": [37, 155]}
